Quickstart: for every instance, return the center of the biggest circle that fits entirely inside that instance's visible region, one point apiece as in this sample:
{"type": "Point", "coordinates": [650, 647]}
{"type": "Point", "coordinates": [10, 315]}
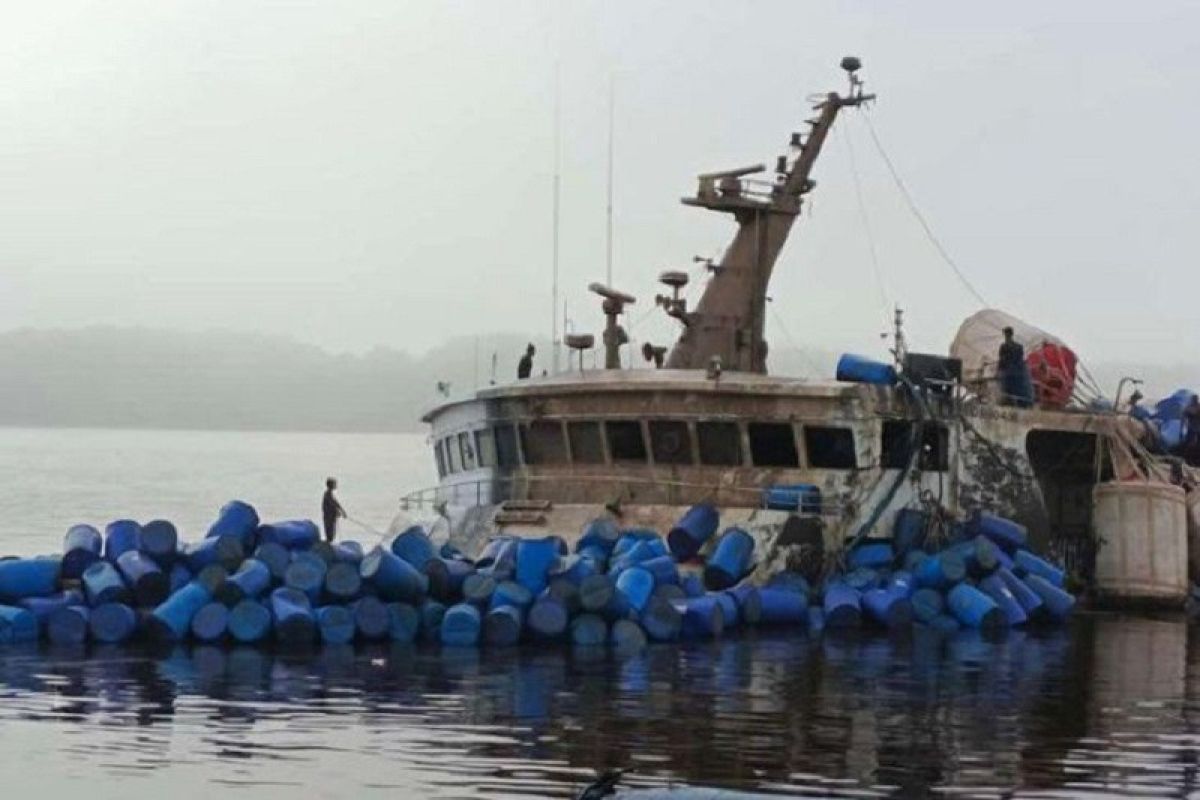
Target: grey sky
{"type": "Point", "coordinates": [379, 172]}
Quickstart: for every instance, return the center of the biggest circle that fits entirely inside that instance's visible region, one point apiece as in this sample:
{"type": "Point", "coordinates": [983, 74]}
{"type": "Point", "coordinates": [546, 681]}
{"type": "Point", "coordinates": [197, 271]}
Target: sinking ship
{"type": "Point", "coordinates": [807, 467]}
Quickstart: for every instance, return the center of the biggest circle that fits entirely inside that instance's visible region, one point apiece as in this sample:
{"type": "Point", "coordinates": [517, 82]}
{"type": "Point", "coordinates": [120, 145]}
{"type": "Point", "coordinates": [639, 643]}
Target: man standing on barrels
{"type": "Point", "coordinates": [1016, 386]}
{"type": "Point", "coordinates": [331, 509]}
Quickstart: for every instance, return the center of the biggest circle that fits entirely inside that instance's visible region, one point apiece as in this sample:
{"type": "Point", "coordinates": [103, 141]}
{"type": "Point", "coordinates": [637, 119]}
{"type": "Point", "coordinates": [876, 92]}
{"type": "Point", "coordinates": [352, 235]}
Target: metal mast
{"type": "Point", "coordinates": [554, 342]}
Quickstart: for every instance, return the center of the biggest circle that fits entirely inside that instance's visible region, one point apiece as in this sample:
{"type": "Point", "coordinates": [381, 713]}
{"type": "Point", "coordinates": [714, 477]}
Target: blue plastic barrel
{"type": "Point", "coordinates": [276, 557]}
{"type": "Point", "coordinates": [642, 551]}
{"type": "Point", "coordinates": [663, 568]}
{"type": "Point", "coordinates": [589, 630]}
{"type": "Point", "coordinates": [576, 568]}
{"type": "Point", "coordinates": [349, 552]}
{"type": "Point", "coordinates": [335, 624]}
{"type": "Point", "coordinates": [446, 577]}
{"type": "Point", "coordinates": [511, 593]}
{"type": "Point", "coordinates": [861, 579]}
{"type": "Point", "coordinates": [802, 497]}
{"type": "Point", "coordinates": [729, 609]}
{"type": "Point", "coordinates": [700, 617]}
{"type": "Point", "coordinates": [749, 603]}
{"type": "Point", "coordinates": [566, 593]}
{"type": "Point", "coordinates": [67, 625]}
{"type": "Point", "coordinates": [927, 604]}
{"type": "Point", "coordinates": [535, 559]}
{"type": "Point", "coordinates": [872, 555]}
{"type": "Point", "coordinates": [294, 534]}
{"type": "Point", "coordinates": [236, 519]}
{"type": "Point", "coordinates": [889, 607]}
{"type": "Point", "coordinates": [974, 609]}
{"type": "Point", "coordinates": [548, 618]}
{"type": "Point", "coordinates": [980, 555]}
{"type": "Point", "coordinates": [461, 625]}
{"type": "Point", "coordinates": [630, 537]}
{"type": "Point", "coordinates": [816, 619]}
{"type": "Point", "coordinates": [791, 582]}
{"type": "Point", "coordinates": [343, 582]}
{"type": "Point", "coordinates": [252, 580]}
{"type": "Point", "coordinates": [28, 577]}
{"type": "Point", "coordinates": [1005, 533]}
{"type": "Point", "coordinates": [150, 585]}
{"type": "Point", "coordinates": [636, 584]}
{"type": "Point", "coordinates": [160, 541]}
{"type": "Point", "coordinates": [102, 583]}
{"type": "Point", "coordinates": [17, 625]}
{"type": "Point", "coordinates": [499, 555]}
{"type": "Point", "coordinates": [730, 560]}
{"type": "Point", "coordinates": [179, 577]}
{"type": "Point", "coordinates": [43, 607]}
{"type": "Point", "coordinates": [119, 536]}
{"type": "Point", "coordinates": [909, 529]}
{"type": "Point", "coordinates": [902, 581]}
{"type": "Point", "coordinates": [600, 533]}
{"type": "Point", "coordinates": [210, 622]}
{"type": "Point", "coordinates": [224, 550]}
{"type": "Point", "coordinates": [940, 571]}
{"type": "Point", "coordinates": [1027, 563]}
{"type": "Point", "coordinates": [860, 369]}
{"type": "Point", "coordinates": [671, 591]}
{"type": "Point", "coordinates": [842, 606]}
{"type": "Point", "coordinates": [661, 620]}
{"type": "Point", "coordinates": [432, 612]}
{"type": "Point", "coordinates": [112, 623]}
{"type": "Point", "coordinates": [212, 577]}
{"type": "Point", "coordinates": [502, 626]}
{"type": "Point", "coordinates": [692, 584]}
{"type": "Point", "coordinates": [626, 636]}
{"type": "Point", "coordinates": [414, 546]}
{"type": "Point", "coordinates": [371, 618]}
{"type": "Point", "coordinates": [1028, 598]}
{"type": "Point", "coordinates": [1056, 603]}
{"type": "Point", "coordinates": [249, 622]}
{"type": "Point", "coordinates": [404, 622]}
{"type": "Point", "coordinates": [596, 592]}
{"type": "Point", "coordinates": [82, 547]}
{"type": "Point", "coordinates": [172, 619]}
{"type": "Point", "coordinates": [944, 623]}
{"type": "Point", "coordinates": [779, 606]}
{"type": "Point", "coordinates": [306, 574]}
{"type": "Point", "coordinates": [695, 527]}
{"type": "Point", "coordinates": [393, 577]}
{"type": "Point", "coordinates": [994, 587]}
{"type": "Point", "coordinates": [478, 588]}
{"type": "Point", "coordinates": [295, 623]}
{"type": "Point", "coordinates": [914, 559]}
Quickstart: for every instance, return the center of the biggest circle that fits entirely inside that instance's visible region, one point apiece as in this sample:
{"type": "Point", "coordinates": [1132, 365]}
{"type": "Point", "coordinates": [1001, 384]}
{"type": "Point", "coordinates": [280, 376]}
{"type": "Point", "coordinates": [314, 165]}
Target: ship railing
{"type": "Point", "coordinates": [487, 490]}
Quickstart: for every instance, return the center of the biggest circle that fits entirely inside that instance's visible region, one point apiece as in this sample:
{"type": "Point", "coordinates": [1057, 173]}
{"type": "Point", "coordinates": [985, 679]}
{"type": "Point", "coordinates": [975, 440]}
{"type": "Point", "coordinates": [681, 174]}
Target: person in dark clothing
{"type": "Point", "coordinates": [1191, 431]}
{"type": "Point", "coordinates": [525, 365]}
{"type": "Point", "coordinates": [331, 509]}
{"type": "Point", "coordinates": [1016, 384]}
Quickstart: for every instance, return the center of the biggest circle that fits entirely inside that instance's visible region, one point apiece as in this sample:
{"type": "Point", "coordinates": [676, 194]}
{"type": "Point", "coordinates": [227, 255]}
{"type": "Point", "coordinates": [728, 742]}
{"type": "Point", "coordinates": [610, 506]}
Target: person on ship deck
{"type": "Point", "coordinates": [1016, 384]}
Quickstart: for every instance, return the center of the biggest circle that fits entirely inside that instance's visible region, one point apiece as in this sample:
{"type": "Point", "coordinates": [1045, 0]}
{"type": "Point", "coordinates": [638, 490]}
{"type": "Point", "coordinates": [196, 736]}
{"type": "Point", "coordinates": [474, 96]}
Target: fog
{"type": "Point", "coordinates": [355, 175]}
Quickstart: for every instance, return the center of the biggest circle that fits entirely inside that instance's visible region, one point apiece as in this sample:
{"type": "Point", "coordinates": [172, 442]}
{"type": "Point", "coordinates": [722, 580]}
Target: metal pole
{"type": "Point", "coordinates": [554, 344]}
{"type": "Point", "coordinates": [608, 239]}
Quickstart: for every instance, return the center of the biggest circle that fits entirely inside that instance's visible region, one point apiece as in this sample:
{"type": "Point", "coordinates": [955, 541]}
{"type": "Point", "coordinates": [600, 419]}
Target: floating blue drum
{"type": "Point", "coordinates": [236, 519]}
{"type": "Point", "coordinates": [306, 574]}
{"type": "Point", "coordinates": [324, 551]}
{"type": "Point", "coordinates": [393, 577]}
{"type": "Point", "coordinates": [637, 585]}
{"type": "Point", "coordinates": [730, 560]}
{"type": "Point", "coordinates": [119, 537]}
{"type": "Point", "coordinates": [565, 593]}
{"type": "Point", "coordinates": [749, 603]}
{"type": "Point", "coordinates": [295, 624]}
{"type": "Point", "coordinates": [927, 604]}
{"type": "Point", "coordinates": [28, 577]}
{"type": "Point", "coordinates": [1055, 602]}
{"type": "Point", "coordinates": [779, 606]}
{"type": "Point", "coordinates": [446, 577]}
{"type": "Point", "coordinates": [909, 529]}
{"type": "Point", "coordinates": [160, 540]}
{"type": "Point", "coordinates": [210, 622]}
{"type": "Point", "coordinates": [102, 583]}
{"type": "Point", "coordinates": [902, 581]}
{"type": "Point", "coordinates": [478, 588]}
{"type": "Point", "coordinates": [43, 607]}
{"type": "Point", "coordinates": [404, 622]}
{"type": "Point", "coordinates": [349, 552]}
{"type": "Point", "coordinates": [889, 607]}
{"type": "Point", "coordinates": [661, 620]}
{"type": "Point", "coordinates": [944, 623]}
{"type": "Point", "coordinates": [276, 557]}
{"type": "Point", "coordinates": [413, 546]}
{"type": "Point", "coordinates": [589, 630]}
{"type": "Point", "coordinates": [142, 574]}
{"type": "Point", "coordinates": [67, 625]}
{"type": "Point", "coordinates": [535, 559]}
{"type": "Point", "coordinates": [860, 369]}
{"type": "Point", "coordinates": [336, 624]}
{"type": "Point", "coordinates": [980, 555]}
{"type": "Point", "coordinates": [82, 547]}
{"type": "Point", "coordinates": [172, 619]}
{"type": "Point", "coordinates": [179, 577]}
{"type": "Point", "coordinates": [343, 582]}
{"type": "Point", "coordinates": [696, 527]}
{"type": "Point", "coordinates": [1028, 598]}
{"type": "Point", "coordinates": [500, 556]}
{"type": "Point", "coordinates": [596, 592]}
{"type": "Point", "coordinates": [872, 555]}
{"type": "Point", "coordinates": [842, 606]}
{"type": "Point", "coordinates": [692, 585]}
{"type": "Point", "coordinates": [974, 609]}
{"type": "Point", "coordinates": [224, 550]}
{"type": "Point", "coordinates": [790, 581]}
{"type": "Point", "coordinates": [626, 636]}
{"type": "Point", "coordinates": [112, 623]}
{"type": "Point", "coordinates": [432, 612]}
{"type": "Point", "coordinates": [371, 618]}
{"type": "Point", "coordinates": [295, 534]}
{"type": "Point", "coordinates": [511, 593]}
{"type": "Point", "coordinates": [1028, 564]}
{"type": "Point", "coordinates": [619, 608]}
{"type": "Point", "coordinates": [634, 536]}
{"type": "Point", "coordinates": [700, 617]}
{"type": "Point", "coordinates": [1005, 533]}
{"type": "Point", "coordinates": [940, 571]}
{"type": "Point", "coordinates": [601, 533]}
{"type": "Point", "coordinates": [576, 568]}
{"type": "Point", "coordinates": [670, 591]}
{"type": "Point", "coordinates": [861, 579]}
{"type": "Point", "coordinates": [252, 580]}
{"type": "Point", "coordinates": [17, 625]}
{"type": "Point", "coordinates": [502, 626]}
{"type": "Point", "coordinates": [461, 625]}
{"type": "Point", "coordinates": [548, 617]}
{"type": "Point", "coordinates": [249, 622]}
{"type": "Point", "coordinates": [994, 587]}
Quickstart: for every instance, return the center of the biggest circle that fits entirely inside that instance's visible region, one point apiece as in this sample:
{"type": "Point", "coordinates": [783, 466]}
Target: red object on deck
{"type": "Point", "coordinates": [1052, 367]}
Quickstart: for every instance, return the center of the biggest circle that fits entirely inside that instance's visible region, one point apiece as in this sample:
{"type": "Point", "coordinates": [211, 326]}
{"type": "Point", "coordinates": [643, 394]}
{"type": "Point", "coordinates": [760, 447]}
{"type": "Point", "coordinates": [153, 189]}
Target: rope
{"type": "Point", "coordinates": [866, 223]}
{"type": "Point", "coordinates": [916, 212]}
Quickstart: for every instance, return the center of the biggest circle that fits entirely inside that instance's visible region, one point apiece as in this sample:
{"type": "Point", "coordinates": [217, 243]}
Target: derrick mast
{"type": "Point", "coordinates": [728, 321]}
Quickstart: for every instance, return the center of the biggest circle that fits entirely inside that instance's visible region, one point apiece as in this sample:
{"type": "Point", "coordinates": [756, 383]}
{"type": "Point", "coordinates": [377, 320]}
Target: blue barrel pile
{"type": "Point", "coordinates": [250, 582]}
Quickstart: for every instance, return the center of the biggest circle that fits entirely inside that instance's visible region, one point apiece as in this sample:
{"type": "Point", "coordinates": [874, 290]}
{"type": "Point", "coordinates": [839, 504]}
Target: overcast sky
{"type": "Point", "coordinates": [379, 172]}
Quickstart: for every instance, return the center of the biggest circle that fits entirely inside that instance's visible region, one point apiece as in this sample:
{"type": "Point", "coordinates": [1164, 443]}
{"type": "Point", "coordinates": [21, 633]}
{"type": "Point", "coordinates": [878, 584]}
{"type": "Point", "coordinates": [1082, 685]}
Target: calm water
{"type": "Point", "coordinates": [1108, 707]}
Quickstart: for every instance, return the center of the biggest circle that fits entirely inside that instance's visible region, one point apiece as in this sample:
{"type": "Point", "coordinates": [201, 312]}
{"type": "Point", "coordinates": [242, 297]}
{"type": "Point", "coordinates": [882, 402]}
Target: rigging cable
{"type": "Point", "coordinates": [816, 371]}
{"type": "Point", "coordinates": [866, 223]}
{"type": "Point", "coordinates": [912, 206]}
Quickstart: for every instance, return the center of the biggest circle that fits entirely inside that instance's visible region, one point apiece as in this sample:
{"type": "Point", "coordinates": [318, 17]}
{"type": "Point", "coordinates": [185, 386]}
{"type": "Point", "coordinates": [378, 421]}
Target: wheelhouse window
{"type": "Point", "coordinates": [544, 443]}
{"type": "Point", "coordinates": [453, 461]}
{"type": "Point", "coordinates": [625, 442]}
{"type": "Point", "coordinates": [934, 444]}
{"type": "Point", "coordinates": [830, 448]}
{"type": "Point", "coordinates": [773, 444]}
{"type": "Point", "coordinates": [485, 448]}
{"type": "Point", "coordinates": [441, 458]}
{"type": "Point", "coordinates": [670, 442]}
{"type": "Point", "coordinates": [466, 450]}
{"type": "Point", "coordinates": [720, 443]}
{"type": "Point", "coordinates": [587, 443]}
{"type": "Point", "coordinates": [507, 455]}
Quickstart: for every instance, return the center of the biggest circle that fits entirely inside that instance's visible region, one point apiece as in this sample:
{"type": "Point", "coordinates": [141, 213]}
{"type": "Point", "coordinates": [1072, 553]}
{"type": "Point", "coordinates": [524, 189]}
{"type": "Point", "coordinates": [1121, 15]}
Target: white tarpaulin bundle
{"type": "Point", "coordinates": [977, 343]}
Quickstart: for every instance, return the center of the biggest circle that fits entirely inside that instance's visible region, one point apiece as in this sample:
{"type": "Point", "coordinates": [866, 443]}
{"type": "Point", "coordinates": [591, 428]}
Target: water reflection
{"type": "Point", "coordinates": [1107, 707]}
